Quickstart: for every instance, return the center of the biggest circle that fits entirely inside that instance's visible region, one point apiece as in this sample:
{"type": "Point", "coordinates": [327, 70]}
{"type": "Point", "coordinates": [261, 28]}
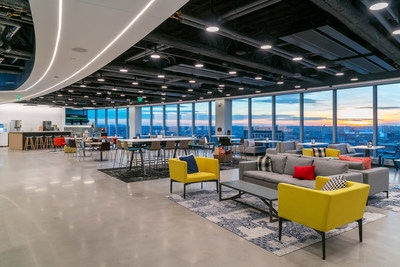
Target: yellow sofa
{"type": "Point", "coordinates": [208, 172]}
{"type": "Point", "coordinates": [329, 152]}
{"type": "Point", "coordinates": [322, 210]}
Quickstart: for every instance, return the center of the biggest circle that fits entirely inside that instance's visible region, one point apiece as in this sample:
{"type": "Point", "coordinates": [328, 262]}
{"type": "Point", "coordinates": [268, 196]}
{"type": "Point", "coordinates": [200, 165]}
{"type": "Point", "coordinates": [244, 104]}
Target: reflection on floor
{"type": "Point", "coordinates": [61, 211]}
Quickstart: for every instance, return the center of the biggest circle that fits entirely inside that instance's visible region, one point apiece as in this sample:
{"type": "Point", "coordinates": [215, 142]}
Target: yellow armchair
{"type": "Point", "coordinates": [322, 210]}
{"type": "Point", "coordinates": [329, 152]}
{"type": "Point", "coordinates": [208, 172]}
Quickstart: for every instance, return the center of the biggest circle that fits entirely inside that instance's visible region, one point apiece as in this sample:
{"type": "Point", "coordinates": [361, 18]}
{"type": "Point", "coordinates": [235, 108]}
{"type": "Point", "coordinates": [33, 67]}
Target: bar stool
{"type": "Point", "coordinates": [183, 145]}
{"type": "Point", "coordinates": [29, 142]}
{"type": "Point", "coordinates": [48, 141]}
{"type": "Point", "coordinates": [118, 151]}
{"type": "Point", "coordinates": [39, 142]}
{"type": "Point", "coordinates": [154, 147]}
{"type": "Point", "coordinates": [168, 148]}
{"type": "Point", "coordinates": [131, 156]}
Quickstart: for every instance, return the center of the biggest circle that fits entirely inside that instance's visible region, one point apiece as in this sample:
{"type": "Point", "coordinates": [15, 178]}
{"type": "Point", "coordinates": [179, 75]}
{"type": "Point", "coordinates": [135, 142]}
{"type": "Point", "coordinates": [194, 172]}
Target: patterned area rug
{"type": "Point", "coordinates": [253, 225]}
{"type": "Point", "coordinates": [392, 203]}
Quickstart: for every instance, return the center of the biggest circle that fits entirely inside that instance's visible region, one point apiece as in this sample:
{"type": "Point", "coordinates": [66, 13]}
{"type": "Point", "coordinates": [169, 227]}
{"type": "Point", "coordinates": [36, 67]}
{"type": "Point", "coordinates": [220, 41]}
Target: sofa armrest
{"type": "Point", "coordinates": [177, 170]}
{"type": "Point", "coordinates": [208, 165]}
{"type": "Point", "coordinates": [246, 166]}
{"type": "Point", "coordinates": [377, 178]}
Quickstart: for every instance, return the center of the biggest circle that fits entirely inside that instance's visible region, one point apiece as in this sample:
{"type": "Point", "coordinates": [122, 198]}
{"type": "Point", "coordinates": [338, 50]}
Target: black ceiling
{"type": "Point", "coordinates": [342, 35]}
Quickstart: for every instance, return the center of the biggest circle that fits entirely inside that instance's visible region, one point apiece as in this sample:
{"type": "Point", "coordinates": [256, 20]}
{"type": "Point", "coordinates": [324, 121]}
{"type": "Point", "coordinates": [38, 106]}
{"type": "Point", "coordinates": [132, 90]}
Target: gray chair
{"type": "Point", "coordinates": [289, 147]}
{"type": "Point", "coordinates": [344, 151]}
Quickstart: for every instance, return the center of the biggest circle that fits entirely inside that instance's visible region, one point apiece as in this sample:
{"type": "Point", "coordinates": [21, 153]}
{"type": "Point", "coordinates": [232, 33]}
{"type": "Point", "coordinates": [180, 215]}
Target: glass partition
{"type": "Point", "coordinates": [261, 117]}
{"type": "Point", "coordinates": [185, 119]}
{"type": "Point", "coordinates": [288, 117]}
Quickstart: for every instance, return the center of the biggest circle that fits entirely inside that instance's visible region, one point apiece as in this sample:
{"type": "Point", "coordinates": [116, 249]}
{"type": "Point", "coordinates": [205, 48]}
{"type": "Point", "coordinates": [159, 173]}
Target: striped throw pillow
{"type": "Point", "coordinates": [264, 164]}
{"type": "Point", "coordinates": [319, 152]}
{"type": "Point", "coordinates": [335, 183]}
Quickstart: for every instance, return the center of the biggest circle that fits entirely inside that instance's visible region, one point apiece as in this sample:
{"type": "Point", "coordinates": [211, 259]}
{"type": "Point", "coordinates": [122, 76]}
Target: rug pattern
{"type": "Point", "coordinates": [253, 225]}
{"type": "Point", "coordinates": [392, 203]}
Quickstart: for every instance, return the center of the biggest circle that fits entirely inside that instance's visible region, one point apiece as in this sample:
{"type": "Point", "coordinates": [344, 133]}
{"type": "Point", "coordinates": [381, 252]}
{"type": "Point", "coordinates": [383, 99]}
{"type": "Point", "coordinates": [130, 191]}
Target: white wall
{"type": "Point", "coordinates": [135, 121]}
{"type": "Point", "coordinates": [223, 115]}
{"type": "Point", "coordinates": [31, 116]}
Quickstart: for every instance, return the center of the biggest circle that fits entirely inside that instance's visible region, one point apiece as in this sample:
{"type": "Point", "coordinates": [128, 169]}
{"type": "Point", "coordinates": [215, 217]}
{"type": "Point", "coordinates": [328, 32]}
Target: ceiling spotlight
{"type": "Point", "coordinates": [128, 99]}
{"type": "Point", "coordinates": [70, 91]}
{"type": "Point", "coordinates": [209, 92]}
{"type": "Point", "coordinates": [155, 56]}
{"type": "Point", "coordinates": [114, 89]}
{"type": "Point", "coordinates": [85, 96]}
{"type": "Point", "coordinates": [92, 100]}
{"type": "Point", "coordinates": [41, 97]}
{"type": "Point", "coordinates": [201, 97]}
{"type": "Point", "coordinates": [232, 72]}
{"type": "Point", "coordinates": [396, 32]}
{"type": "Point", "coordinates": [144, 96]}
{"type": "Point", "coordinates": [266, 46]}
{"type": "Point", "coordinates": [59, 95]}
{"type": "Point", "coordinates": [161, 76]}
{"type": "Point", "coordinates": [297, 58]}
{"type": "Point", "coordinates": [212, 28]}
{"type": "Point", "coordinates": [162, 98]}
{"type": "Point", "coordinates": [122, 95]}
{"type": "Point", "coordinates": [54, 101]}
{"type": "Point", "coordinates": [83, 85]}
{"type": "Point", "coordinates": [183, 95]}
{"type": "Point", "coordinates": [123, 70]}
{"type": "Point", "coordinates": [164, 86]}
{"type": "Point", "coordinates": [339, 73]}
{"type": "Point", "coordinates": [258, 78]}
{"type": "Point", "coordinates": [135, 83]}
{"type": "Point", "coordinates": [280, 82]}
{"type": "Point", "coordinates": [140, 91]}
{"type": "Point", "coordinates": [146, 101]}
{"type": "Point", "coordinates": [98, 93]}
{"type": "Point", "coordinates": [241, 88]}
{"type": "Point", "coordinates": [297, 86]}
{"type": "Point", "coordinates": [100, 80]}
{"type": "Point", "coordinates": [321, 67]}
{"type": "Point", "coordinates": [70, 99]}
{"type": "Point", "coordinates": [190, 89]}
{"type": "Point", "coordinates": [354, 79]}
{"type": "Point", "coordinates": [221, 85]}
{"type": "Point", "coordinates": [199, 65]}
{"type": "Point", "coordinates": [162, 102]}
{"type": "Point", "coordinates": [258, 91]}
{"type": "Point", "coordinates": [192, 81]}
{"type": "Point", "coordinates": [378, 5]}
{"type": "Point", "coordinates": [163, 93]}
{"type": "Point", "coordinates": [75, 103]}
{"type": "Point", "coordinates": [228, 94]}
{"type": "Point", "coordinates": [180, 100]}
{"type": "Point", "coordinates": [107, 98]}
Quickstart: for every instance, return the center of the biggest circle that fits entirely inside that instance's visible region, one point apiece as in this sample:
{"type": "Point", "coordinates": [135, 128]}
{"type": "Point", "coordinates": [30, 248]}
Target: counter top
{"type": "Point", "coordinates": [42, 132]}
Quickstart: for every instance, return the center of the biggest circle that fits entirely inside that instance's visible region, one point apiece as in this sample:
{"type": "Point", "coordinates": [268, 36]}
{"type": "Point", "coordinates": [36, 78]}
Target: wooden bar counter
{"type": "Point", "coordinates": [16, 140]}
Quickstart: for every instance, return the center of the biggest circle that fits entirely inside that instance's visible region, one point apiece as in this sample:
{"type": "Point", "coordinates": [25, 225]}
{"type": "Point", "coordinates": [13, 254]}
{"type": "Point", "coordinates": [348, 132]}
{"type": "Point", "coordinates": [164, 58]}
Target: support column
{"type": "Point", "coordinates": [274, 117]}
{"type": "Point", "coordinates": [375, 116]}
{"type": "Point", "coordinates": [334, 116]}
{"type": "Point", "coordinates": [178, 120]}
{"type": "Point", "coordinates": [250, 134]}
{"type": "Point", "coordinates": [301, 117]}
{"type": "Point", "coordinates": [135, 121]}
{"type": "Point", "coordinates": [223, 116]}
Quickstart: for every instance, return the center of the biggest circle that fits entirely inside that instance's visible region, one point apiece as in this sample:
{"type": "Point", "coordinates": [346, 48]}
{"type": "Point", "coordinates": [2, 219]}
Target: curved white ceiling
{"type": "Point", "coordinates": [104, 28]}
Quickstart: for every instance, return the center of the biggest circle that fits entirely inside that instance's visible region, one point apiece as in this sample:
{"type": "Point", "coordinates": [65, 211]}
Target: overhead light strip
{"type": "Point", "coordinates": [102, 52]}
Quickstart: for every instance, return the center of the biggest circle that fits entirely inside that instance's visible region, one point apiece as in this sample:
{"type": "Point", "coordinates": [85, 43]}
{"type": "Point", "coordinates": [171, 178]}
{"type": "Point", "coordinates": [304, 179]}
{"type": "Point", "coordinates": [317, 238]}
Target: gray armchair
{"type": "Point", "coordinates": [343, 150]}
{"type": "Point", "coordinates": [289, 147]}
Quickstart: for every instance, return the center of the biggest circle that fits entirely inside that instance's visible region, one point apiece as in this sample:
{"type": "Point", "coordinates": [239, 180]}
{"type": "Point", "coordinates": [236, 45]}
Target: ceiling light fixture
{"type": "Point", "coordinates": [70, 91]}
{"type": "Point", "coordinates": [144, 96]}
{"type": "Point", "coordinates": [280, 82]}
{"type": "Point", "coordinates": [232, 72]}
{"type": "Point", "coordinates": [258, 91]}
{"type": "Point", "coordinates": [164, 86]}
{"type": "Point", "coordinates": [162, 98]}
{"type": "Point", "coordinates": [199, 65]}
{"type": "Point", "coordinates": [135, 83]}
{"type": "Point", "coordinates": [297, 86]}
{"type": "Point", "coordinates": [83, 85]}
{"type": "Point", "coordinates": [163, 93]}
{"type": "Point", "coordinates": [378, 5]}
{"type": "Point", "coordinates": [140, 91]}
{"type": "Point", "coordinates": [100, 80]}
{"type": "Point", "coordinates": [180, 100]}
{"type": "Point", "coordinates": [122, 95]}
{"type": "Point", "coordinates": [241, 88]}
{"type": "Point", "coordinates": [183, 95]}
{"type": "Point", "coordinates": [123, 70]}
{"type": "Point", "coordinates": [114, 89]}
{"type": "Point", "coordinates": [212, 28]}
{"type": "Point", "coordinates": [155, 55]}
{"type": "Point", "coordinates": [192, 81]}
{"type": "Point", "coordinates": [59, 95]}
{"type": "Point", "coordinates": [258, 78]}
{"type": "Point", "coordinates": [161, 76]}
{"type": "Point", "coordinates": [98, 93]}
{"type": "Point", "coordinates": [201, 97]}
{"type": "Point", "coordinates": [297, 58]}
{"type": "Point", "coordinates": [75, 103]}
{"type": "Point", "coordinates": [85, 96]}
{"type": "Point", "coordinates": [228, 95]}
{"type": "Point", "coordinates": [209, 92]}
{"type": "Point", "coordinates": [339, 73]}
{"type": "Point", "coordinates": [321, 67]}
{"type": "Point", "coordinates": [70, 99]}
{"type": "Point", "coordinates": [190, 89]}
{"type": "Point", "coordinates": [354, 79]}
{"type": "Point", "coordinates": [107, 98]}
{"type": "Point", "coordinates": [396, 32]}
{"type": "Point", "coordinates": [221, 85]}
{"type": "Point", "coordinates": [41, 97]}
{"type": "Point", "coordinates": [266, 46]}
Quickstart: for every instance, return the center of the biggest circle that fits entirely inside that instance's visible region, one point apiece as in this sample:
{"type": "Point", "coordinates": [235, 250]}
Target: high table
{"type": "Point", "coordinates": [149, 140]}
{"type": "Point", "coordinates": [368, 148]}
{"type": "Point", "coordinates": [314, 144]}
{"type": "Point", "coordinates": [266, 142]}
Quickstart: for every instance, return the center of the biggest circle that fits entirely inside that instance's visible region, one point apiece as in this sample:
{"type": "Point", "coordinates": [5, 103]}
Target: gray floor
{"type": "Point", "coordinates": [60, 211]}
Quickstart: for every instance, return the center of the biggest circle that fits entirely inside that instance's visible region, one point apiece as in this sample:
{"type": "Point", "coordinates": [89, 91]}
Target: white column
{"type": "Point", "coordinates": [135, 121]}
{"type": "Point", "coordinates": [223, 116]}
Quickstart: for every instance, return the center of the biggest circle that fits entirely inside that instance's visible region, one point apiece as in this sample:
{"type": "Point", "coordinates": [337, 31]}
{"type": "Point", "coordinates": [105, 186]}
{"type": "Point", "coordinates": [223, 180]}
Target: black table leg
{"type": "Point", "coordinates": [131, 160]}
{"type": "Point", "coordinates": [366, 152]}
{"type": "Point", "coordinates": [266, 145]}
{"type": "Point", "coordinates": [141, 158]}
{"type": "Point", "coordinates": [101, 155]}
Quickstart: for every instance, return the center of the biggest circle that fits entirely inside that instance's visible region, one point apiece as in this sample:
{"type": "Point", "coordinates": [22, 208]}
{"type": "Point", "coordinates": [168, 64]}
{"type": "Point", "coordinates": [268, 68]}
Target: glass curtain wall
{"type": "Point", "coordinates": [240, 118]}
{"type": "Point", "coordinates": [287, 117]}
{"type": "Point", "coordinates": [354, 115]}
{"type": "Point", "coordinates": [212, 119]}
{"type": "Point", "coordinates": [261, 117]}
{"type": "Point", "coordinates": [388, 116]}
{"type": "Point", "coordinates": [201, 113]}
{"type": "Point", "coordinates": [185, 119]}
{"type": "Point", "coordinates": [145, 120]}
{"type": "Point", "coordinates": [122, 124]}
{"type": "Point", "coordinates": [157, 117]}
{"type": "Point", "coordinates": [111, 122]}
{"type": "Point", "coordinates": [318, 116]}
{"type": "Point", "coordinates": [101, 118]}
{"type": "Point", "coordinates": [91, 115]}
{"type": "Point", "coordinates": [171, 120]}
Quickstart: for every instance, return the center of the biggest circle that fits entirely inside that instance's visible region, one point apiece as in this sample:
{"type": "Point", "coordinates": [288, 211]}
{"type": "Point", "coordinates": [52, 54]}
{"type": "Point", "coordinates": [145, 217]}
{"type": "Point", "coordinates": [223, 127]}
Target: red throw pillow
{"type": "Point", "coordinates": [366, 161]}
{"type": "Point", "coordinates": [306, 173]}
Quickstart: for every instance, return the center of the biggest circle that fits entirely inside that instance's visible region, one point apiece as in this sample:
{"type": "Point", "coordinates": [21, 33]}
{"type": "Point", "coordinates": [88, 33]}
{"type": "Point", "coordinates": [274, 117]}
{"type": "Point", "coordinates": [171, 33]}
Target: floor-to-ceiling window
{"type": "Point", "coordinates": [318, 116]}
{"type": "Point", "coordinates": [389, 116]}
{"type": "Point", "coordinates": [101, 118]}
{"type": "Point", "coordinates": [240, 117]}
{"type": "Point", "coordinates": [261, 117]}
{"type": "Point", "coordinates": [288, 117]}
{"type": "Point", "coordinates": [212, 111]}
{"type": "Point", "coordinates": [157, 118]}
{"type": "Point", "coordinates": [122, 124]}
{"type": "Point", "coordinates": [111, 121]}
{"type": "Point", "coordinates": [91, 115]}
{"type": "Point", "coordinates": [185, 119]}
{"type": "Point", "coordinates": [201, 119]}
{"type": "Point", "coordinates": [354, 115]}
{"type": "Point", "coordinates": [171, 120]}
{"type": "Point", "coordinates": [145, 120]}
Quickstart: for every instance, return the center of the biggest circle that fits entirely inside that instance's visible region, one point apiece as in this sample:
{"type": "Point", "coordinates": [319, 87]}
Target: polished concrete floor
{"type": "Point", "coordinates": [61, 211]}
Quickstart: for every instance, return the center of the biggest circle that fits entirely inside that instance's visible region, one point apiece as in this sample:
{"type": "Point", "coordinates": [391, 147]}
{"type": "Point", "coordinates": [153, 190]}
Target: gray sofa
{"type": "Point", "coordinates": [343, 150]}
{"type": "Point", "coordinates": [291, 147]}
{"type": "Point", "coordinates": [258, 148]}
{"type": "Point", "coordinates": [283, 169]}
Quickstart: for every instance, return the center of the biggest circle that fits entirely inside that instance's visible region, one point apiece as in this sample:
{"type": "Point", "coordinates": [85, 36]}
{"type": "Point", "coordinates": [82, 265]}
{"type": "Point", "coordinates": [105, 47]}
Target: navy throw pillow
{"type": "Point", "coordinates": [191, 163]}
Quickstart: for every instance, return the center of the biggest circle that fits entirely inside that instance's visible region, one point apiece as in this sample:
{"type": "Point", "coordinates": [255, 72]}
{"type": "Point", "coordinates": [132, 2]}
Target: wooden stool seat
{"type": "Point", "coordinates": [29, 143]}
{"type": "Point", "coordinates": [48, 142]}
{"type": "Point", "coordinates": [39, 142]}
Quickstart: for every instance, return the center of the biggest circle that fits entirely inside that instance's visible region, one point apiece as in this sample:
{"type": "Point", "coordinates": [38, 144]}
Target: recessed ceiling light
{"type": "Point", "coordinates": [190, 89]}
{"type": "Point", "coordinates": [114, 89]}
{"type": "Point", "coordinates": [112, 102]}
{"type": "Point", "coordinates": [209, 92]}
{"type": "Point", "coordinates": [192, 81]}
{"type": "Point", "coordinates": [258, 91]}
{"type": "Point", "coordinates": [100, 80]}
{"type": "Point", "coordinates": [321, 67]}
{"type": "Point", "coordinates": [75, 103]}
{"type": "Point", "coordinates": [59, 95]}
{"type": "Point", "coordinates": [258, 78]}
{"type": "Point", "coordinates": [123, 70]}
{"type": "Point", "coordinates": [297, 86]}
{"type": "Point", "coordinates": [162, 98]}
{"type": "Point", "coordinates": [339, 73]}
{"type": "Point", "coordinates": [144, 96]}
{"type": "Point", "coordinates": [354, 79]}
{"type": "Point", "coordinates": [266, 46]}
{"type": "Point", "coordinates": [128, 99]}
{"type": "Point", "coordinates": [232, 72]}
{"type": "Point", "coordinates": [135, 83]}
{"type": "Point", "coordinates": [92, 100]}
{"type": "Point", "coordinates": [241, 88]}
{"type": "Point", "coordinates": [41, 97]}
{"type": "Point", "coordinates": [98, 93]}
{"type": "Point", "coordinates": [164, 86]}
{"type": "Point", "coordinates": [155, 56]}
{"type": "Point", "coordinates": [378, 5]}
{"type": "Point", "coordinates": [122, 95]}
{"type": "Point", "coordinates": [54, 101]}
{"type": "Point", "coordinates": [396, 32]}
{"type": "Point", "coordinates": [212, 28]}
{"type": "Point", "coordinates": [146, 101]}
{"type": "Point", "coordinates": [161, 76]}
{"type": "Point", "coordinates": [180, 100]}
{"type": "Point", "coordinates": [201, 97]}
{"type": "Point", "coordinates": [228, 94]}
{"type": "Point", "coordinates": [85, 96]}
{"type": "Point", "coordinates": [107, 98]}
{"type": "Point", "coordinates": [70, 91]}
{"type": "Point", "coordinates": [297, 58]}
{"type": "Point", "coordinates": [183, 95]}
{"type": "Point", "coordinates": [83, 85]}
{"type": "Point", "coordinates": [163, 93]}
{"type": "Point", "coordinates": [280, 82]}
{"type": "Point", "coordinates": [140, 91]}
{"type": "Point", "coordinates": [199, 65]}
{"type": "Point", "coordinates": [221, 85]}
{"type": "Point", "coordinates": [70, 99]}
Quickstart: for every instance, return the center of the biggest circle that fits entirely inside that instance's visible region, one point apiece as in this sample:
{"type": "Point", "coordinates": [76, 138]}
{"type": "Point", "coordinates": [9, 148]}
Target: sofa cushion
{"type": "Point", "coordinates": [356, 165]}
{"type": "Point", "coordinates": [294, 161]}
{"type": "Point", "coordinates": [264, 164]}
{"type": "Point", "coordinates": [350, 149]}
{"type": "Point", "coordinates": [366, 161]}
{"type": "Point", "coordinates": [319, 152]}
{"type": "Point", "coordinates": [191, 163]}
{"type": "Point", "coordinates": [288, 145]}
{"type": "Point", "coordinates": [278, 163]}
{"type": "Point", "coordinates": [329, 167]}
{"type": "Point", "coordinates": [279, 178]}
{"type": "Point", "coordinates": [306, 173]}
{"type": "Point", "coordinates": [342, 148]}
